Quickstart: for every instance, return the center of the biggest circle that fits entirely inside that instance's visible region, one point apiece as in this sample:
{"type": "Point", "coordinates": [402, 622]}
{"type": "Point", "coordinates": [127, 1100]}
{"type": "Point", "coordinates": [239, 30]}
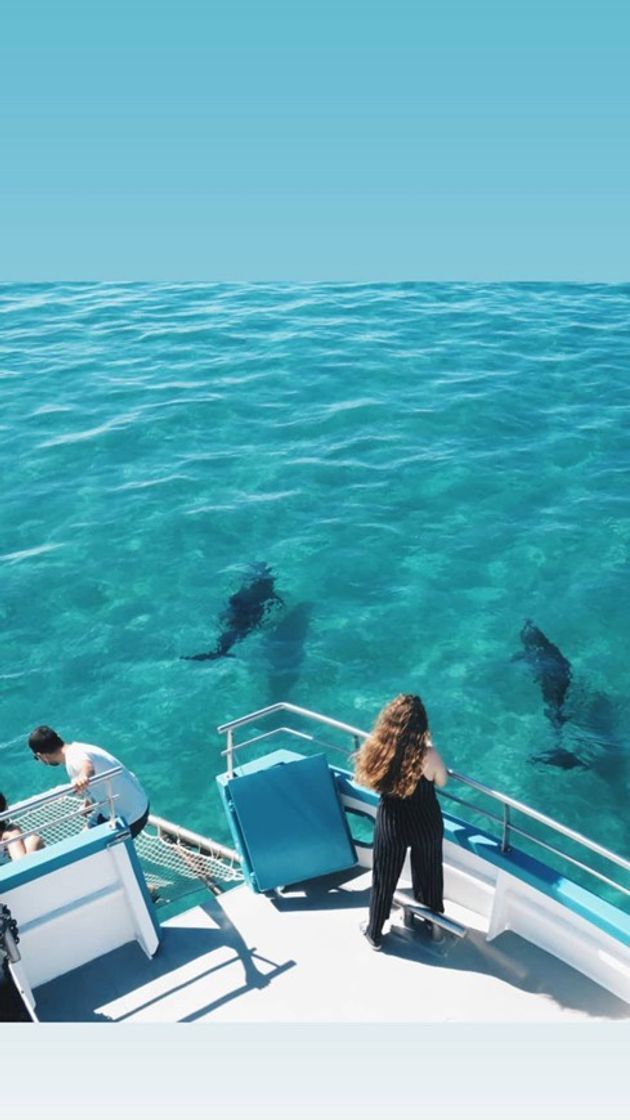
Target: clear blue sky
{"type": "Point", "coordinates": [315, 139]}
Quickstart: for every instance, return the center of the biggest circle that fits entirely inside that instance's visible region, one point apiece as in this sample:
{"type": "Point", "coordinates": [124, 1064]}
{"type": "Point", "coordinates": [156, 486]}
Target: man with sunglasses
{"type": "Point", "coordinates": [83, 761]}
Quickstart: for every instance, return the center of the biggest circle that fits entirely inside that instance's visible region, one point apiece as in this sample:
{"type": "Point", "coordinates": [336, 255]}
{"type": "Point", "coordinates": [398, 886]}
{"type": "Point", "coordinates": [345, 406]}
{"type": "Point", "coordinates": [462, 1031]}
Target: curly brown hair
{"type": "Point", "coordinates": [391, 758]}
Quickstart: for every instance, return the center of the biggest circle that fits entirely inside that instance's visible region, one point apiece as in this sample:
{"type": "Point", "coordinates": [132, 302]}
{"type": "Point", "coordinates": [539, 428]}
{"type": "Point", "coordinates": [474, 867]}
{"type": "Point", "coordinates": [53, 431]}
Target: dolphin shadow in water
{"type": "Point", "coordinates": [609, 761]}
{"type": "Point", "coordinates": [247, 610]}
{"type": "Point", "coordinates": [284, 651]}
{"type": "Point", "coordinates": [598, 718]}
{"type": "Point", "coordinates": [597, 727]}
{"type": "Point", "coordinates": [559, 756]}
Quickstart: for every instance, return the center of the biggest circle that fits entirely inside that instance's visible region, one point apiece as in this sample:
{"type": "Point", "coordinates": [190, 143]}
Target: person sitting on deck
{"type": "Point", "coordinates": [12, 844]}
{"type": "Point", "coordinates": [83, 761]}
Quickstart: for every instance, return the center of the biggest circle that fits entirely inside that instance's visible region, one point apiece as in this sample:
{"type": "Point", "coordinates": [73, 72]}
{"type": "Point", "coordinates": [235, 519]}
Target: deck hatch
{"type": "Point", "coordinates": [288, 821]}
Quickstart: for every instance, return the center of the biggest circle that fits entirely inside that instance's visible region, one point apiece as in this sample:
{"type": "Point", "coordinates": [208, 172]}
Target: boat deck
{"type": "Point", "coordinates": [300, 956]}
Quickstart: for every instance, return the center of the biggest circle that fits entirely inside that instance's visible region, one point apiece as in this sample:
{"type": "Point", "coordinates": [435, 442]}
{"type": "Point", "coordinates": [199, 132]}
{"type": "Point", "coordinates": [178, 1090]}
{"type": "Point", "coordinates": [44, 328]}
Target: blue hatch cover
{"type": "Point", "coordinates": [290, 825]}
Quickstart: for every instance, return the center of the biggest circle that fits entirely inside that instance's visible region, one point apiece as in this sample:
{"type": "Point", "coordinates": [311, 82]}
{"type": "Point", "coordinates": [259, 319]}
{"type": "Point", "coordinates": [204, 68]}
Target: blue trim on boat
{"type": "Point", "coordinates": [60, 854]}
{"type": "Point", "coordinates": [347, 786]}
{"type": "Point", "coordinates": [274, 758]}
{"type": "Point", "coordinates": [362, 814]}
{"type": "Point", "coordinates": [142, 883]}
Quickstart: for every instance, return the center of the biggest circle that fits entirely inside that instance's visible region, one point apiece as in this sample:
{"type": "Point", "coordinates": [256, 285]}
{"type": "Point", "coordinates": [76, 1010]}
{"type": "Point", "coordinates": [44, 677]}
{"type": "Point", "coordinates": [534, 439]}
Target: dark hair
{"type": "Point", "coordinates": [3, 806]}
{"type": "Point", "coordinates": [44, 740]}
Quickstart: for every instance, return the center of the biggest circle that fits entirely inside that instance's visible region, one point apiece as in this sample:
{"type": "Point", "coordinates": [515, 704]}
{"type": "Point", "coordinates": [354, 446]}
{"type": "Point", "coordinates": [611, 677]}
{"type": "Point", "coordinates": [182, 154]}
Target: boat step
{"type": "Point", "coordinates": [412, 909]}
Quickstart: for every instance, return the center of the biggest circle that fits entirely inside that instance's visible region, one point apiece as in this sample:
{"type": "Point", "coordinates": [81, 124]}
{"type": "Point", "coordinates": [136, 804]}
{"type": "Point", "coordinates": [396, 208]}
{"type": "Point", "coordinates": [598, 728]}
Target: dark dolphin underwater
{"type": "Point", "coordinates": [549, 668]}
{"type": "Point", "coordinates": [591, 716]}
{"type": "Point", "coordinates": [584, 722]}
{"type": "Point", "coordinates": [247, 609]}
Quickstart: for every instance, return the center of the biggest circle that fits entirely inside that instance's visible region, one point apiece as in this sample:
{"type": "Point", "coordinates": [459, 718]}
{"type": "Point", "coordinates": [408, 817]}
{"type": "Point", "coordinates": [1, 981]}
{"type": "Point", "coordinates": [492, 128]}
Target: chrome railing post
{"type": "Point", "coordinates": [505, 839]}
{"type": "Point", "coordinates": [110, 798]}
{"type": "Point", "coordinates": [230, 753]}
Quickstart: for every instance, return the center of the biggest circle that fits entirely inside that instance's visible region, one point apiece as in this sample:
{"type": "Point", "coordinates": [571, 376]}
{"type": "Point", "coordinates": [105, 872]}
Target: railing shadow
{"type": "Point", "coordinates": [90, 993]}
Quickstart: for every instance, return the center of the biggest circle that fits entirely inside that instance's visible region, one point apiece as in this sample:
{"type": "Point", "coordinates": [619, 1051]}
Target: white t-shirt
{"type": "Point", "coordinates": [131, 802]}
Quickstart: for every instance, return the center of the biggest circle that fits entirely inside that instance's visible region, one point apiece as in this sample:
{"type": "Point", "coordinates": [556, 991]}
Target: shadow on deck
{"type": "Point", "coordinates": [191, 975]}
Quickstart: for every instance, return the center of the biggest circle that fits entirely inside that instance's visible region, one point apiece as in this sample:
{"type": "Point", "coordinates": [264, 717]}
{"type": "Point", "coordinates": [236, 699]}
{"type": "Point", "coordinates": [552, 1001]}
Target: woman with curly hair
{"type": "Point", "coordinates": [399, 761]}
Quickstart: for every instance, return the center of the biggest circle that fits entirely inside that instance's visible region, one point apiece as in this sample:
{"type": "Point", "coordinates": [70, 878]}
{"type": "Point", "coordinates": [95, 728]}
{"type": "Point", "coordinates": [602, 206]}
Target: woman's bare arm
{"type": "Point", "coordinates": [434, 768]}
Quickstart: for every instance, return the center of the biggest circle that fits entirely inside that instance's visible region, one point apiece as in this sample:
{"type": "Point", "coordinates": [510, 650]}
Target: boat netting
{"type": "Point", "coordinates": [172, 866]}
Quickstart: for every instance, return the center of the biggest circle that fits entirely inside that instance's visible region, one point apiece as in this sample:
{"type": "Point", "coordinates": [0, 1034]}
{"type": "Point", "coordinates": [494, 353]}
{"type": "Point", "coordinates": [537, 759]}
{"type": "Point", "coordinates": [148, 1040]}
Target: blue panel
{"type": "Point", "coordinates": [287, 820]}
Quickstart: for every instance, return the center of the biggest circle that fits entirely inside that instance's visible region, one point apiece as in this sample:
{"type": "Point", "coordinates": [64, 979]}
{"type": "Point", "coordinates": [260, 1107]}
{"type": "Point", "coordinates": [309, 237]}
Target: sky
{"type": "Point", "coordinates": [315, 140]}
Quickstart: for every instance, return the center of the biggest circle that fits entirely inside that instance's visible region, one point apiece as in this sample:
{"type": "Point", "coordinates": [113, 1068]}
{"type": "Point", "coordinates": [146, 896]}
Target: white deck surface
{"type": "Point", "coordinates": [301, 957]}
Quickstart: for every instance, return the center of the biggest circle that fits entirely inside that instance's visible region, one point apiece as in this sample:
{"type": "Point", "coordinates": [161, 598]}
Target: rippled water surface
{"type": "Point", "coordinates": [423, 466]}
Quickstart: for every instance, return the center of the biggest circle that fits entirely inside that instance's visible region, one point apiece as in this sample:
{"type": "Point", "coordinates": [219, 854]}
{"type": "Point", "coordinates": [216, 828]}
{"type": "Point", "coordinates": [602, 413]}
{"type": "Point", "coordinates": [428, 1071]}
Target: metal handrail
{"type": "Point", "coordinates": [507, 803]}
{"type": "Point", "coordinates": [285, 731]}
{"type": "Point", "coordinates": [80, 812]}
{"type": "Point", "coordinates": [549, 822]}
{"type": "Point", "coordinates": [23, 807]}
{"type": "Point", "coordinates": [195, 839]}
{"type": "Point", "coordinates": [285, 706]}
{"type": "Point", "coordinates": [268, 735]}
{"type": "Point", "coordinates": [55, 794]}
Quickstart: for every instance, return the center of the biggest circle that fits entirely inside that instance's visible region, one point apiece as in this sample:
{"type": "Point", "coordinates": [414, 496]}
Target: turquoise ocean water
{"type": "Point", "coordinates": [424, 466]}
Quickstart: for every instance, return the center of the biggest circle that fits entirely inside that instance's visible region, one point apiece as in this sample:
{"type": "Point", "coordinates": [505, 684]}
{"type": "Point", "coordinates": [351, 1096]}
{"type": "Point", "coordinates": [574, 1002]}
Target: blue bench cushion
{"type": "Point", "coordinates": [287, 820]}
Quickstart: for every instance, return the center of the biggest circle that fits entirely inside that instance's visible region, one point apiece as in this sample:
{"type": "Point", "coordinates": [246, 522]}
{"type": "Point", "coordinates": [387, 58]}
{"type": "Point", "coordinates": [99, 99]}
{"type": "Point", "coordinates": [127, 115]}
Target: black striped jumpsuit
{"type": "Point", "coordinates": [407, 822]}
